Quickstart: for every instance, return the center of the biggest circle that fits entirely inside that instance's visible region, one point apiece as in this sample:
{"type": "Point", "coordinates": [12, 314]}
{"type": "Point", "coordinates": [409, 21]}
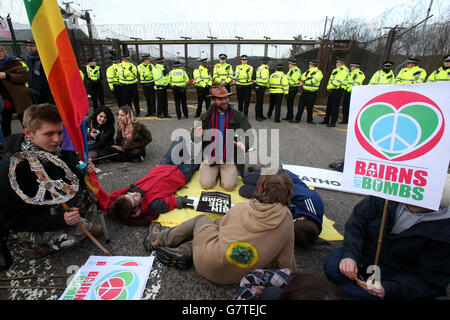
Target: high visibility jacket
{"type": "Point", "coordinates": [338, 78]}
{"type": "Point", "coordinates": [243, 75]}
{"type": "Point", "coordinates": [381, 77]}
{"type": "Point", "coordinates": [202, 78]}
{"type": "Point", "coordinates": [355, 78]}
{"type": "Point", "coordinates": [311, 79]}
{"type": "Point", "coordinates": [411, 75]}
{"type": "Point", "coordinates": [440, 75]}
{"type": "Point", "coordinates": [222, 72]}
{"type": "Point", "coordinates": [112, 75]}
{"type": "Point", "coordinates": [262, 76]}
{"type": "Point", "coordinates": [161, 76]}
{"type": "Point", "coordinates": [93, 74]}
{"type": "Point", "coordinates": [279, 83]}
{"type": "Point", "coordinates": [81, 75]}
{"type": "Point", "coordinates": [294, 74]}
{"type": "Point", "coordinates": [28, 70]}
{"type": "Point", "coordinates": [145, 73]}
{"type": "Point", "coordinates": [127, 73]}
{"type": "Point", "coordinates": [178, 78]}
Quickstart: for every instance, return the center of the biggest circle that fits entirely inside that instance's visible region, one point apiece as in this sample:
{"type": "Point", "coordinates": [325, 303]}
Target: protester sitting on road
{"type": "Point", "coordinates": [100, 133]}
{"type": "Point", "coordinates": [13, 91]}
{"type": "Point", "coordinates": [218, 119]}
{"type": "Point", "coordinates": [306, 206]}
{"type": "Point", "coordinates": [44, 228]}
{"type": "Point", "coordinates": [414, 256]}
{"type": "Point", "coordinates": [250, 236]}
{"type": "Point", "coordinates": [282, 284]}
{"type": "Point", "coordinates": [131, 137]}
{"type": "Point", "coordinates": [143, 201]}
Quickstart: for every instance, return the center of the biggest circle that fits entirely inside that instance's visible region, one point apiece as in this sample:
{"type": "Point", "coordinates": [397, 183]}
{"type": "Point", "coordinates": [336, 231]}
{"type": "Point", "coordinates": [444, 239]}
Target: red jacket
{"type": "Point", "coordinates": [160, 183]}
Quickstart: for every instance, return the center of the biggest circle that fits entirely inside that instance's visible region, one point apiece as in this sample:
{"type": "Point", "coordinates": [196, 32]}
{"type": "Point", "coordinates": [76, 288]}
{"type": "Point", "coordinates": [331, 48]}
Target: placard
{"type": "Point", "coordinates": [214, 202]}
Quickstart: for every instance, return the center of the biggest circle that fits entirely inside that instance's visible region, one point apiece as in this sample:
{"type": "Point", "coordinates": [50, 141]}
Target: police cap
{"type": "Point", "coordinates": [160, 59]}
{"type": "Point", "coordinates": [292, 61]}
{"type": "Point", "coordinates": [223, 56]}
{"type": "Point", "coordinates": [244, 57]}
{"type": "Point", "coordinates": [447, 58]}
{"type": "Point", "coordinates": [177, 64]}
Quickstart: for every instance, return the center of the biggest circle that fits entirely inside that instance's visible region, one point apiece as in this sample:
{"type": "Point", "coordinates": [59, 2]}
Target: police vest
{"type": "Point", "coordinates": [112, 76]}
{"type": "Point", "coordinates": [178, 78]}
{"type": "Point", "coordinates": [278, 83]}
{"type": "Point", "coordinates": [411, 75]}
{"type": "Point", "coordinates": [440, 75]}
{"type": "Point", "coordinates": [293, 77]}
{"type": "Point", "coordinates": [127, 73]}
{"type": "Point", "coordinates": [355, 78]}
{"type": "Point", "coordinates": [222, 72]}
{"type": "Point", "coordinates": [145, 73]}
{"type": "Point", "coordinates": [338, 78]}
{"type": "Point", "coordinates": [381, 77]}
{"type": "Point", "coordinates": [262, 76]}
{"type": "Point", "coordinates": [311, 79]}
{"type": "Point", "coordinates": [202, 78]}
{"type": "Point", "coordinates": [243, 75]}
{"type": "Point", "coordinates": [93, 74]}
{"type": "Point", "coordinates": [161, 77]}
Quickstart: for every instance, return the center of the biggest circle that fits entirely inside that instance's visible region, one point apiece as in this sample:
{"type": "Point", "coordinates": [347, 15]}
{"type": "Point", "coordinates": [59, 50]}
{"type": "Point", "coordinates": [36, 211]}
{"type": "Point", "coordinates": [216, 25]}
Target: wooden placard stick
{"type": "Point", "coordinates": [380, 238]}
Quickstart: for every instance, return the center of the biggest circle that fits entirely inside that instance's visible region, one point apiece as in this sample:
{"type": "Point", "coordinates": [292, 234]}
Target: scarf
{"type": "Point", "coordinates": [35, 62]}
{"type": "Point", "coordinates": [214, 124]}
{"type": "Point", "coordinates": [27, 145]}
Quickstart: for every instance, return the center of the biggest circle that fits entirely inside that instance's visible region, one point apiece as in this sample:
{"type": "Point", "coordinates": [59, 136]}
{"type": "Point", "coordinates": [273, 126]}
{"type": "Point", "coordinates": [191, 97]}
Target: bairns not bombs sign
{"type": "Point", "coordinates": [398, 142]}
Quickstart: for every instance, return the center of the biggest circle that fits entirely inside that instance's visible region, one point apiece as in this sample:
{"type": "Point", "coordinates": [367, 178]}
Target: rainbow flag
{"type": "Point", "coordinates": [60, 66]}
{"type": "Point", "coordinates": [63, 75]}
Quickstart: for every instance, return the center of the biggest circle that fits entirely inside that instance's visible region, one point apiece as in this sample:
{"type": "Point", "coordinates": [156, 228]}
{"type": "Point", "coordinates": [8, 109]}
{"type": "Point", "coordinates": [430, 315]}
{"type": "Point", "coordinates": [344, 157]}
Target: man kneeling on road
{"type": "Point", "coordinates": [250, 236]}
{"type": "Point", "coordinates": [44, 228]}
{"type": "Point", "coordinates": [143, 201]}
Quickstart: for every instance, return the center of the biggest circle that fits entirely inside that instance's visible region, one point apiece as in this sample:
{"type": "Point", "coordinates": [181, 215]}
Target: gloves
{"type": "Point", "coordinates": [191, 81]}
{"type": "Point", "coordinates": [184, 202]}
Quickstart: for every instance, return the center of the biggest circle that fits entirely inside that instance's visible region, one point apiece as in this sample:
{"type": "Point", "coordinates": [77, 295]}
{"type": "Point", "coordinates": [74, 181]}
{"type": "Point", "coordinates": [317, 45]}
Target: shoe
{"type": "Point", "coordinates": [150, 114]}
{"type": "Point", "coordinates": [291, 120]}
{"type": "Point", "coordinates": [173, 257]}
{"type": "Point", "coordinates": [335, 164]}
{"type": "Point", "coordinates": [331, 125]}
{"type": "Point", "coordinates": [150, 238]}
{"type": "Point", "coordinates": [343, 122]}
{"type": "Point", "coordinates": [197, 116]}
{"type": "Point", "coordinates": [186, 116]}
{"type": "Point", "coordinates": [311, 122]}
{"type": "Point", "coordinates": [277, 121]}
{"type": "Point", "coordinates": [259, 119]}
{"type": "Point", "coordinates": [167, 116]}
{"type": "Point", "coordinates": [323, 122]}
{"type": "Point", "coordinates": [264, 118]}
{"type": "Point", "coordinates": [297, 121]}
{"type": "Point", "coordinates": [286, 118]}
{"type": "Point", "coordinates": [160, 116]}
{"type": "Point", "coordinates": [269, 116]}
{"type": "Point", "coordinates": [96, 230]}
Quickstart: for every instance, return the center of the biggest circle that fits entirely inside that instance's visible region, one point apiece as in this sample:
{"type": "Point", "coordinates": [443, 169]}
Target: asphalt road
{"type": "Point", "coordinates": [300, 144]}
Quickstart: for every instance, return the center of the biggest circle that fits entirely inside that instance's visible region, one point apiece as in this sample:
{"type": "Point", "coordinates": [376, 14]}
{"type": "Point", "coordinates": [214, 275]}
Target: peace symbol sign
{"type": "Point", "coordinates": [59, 190]}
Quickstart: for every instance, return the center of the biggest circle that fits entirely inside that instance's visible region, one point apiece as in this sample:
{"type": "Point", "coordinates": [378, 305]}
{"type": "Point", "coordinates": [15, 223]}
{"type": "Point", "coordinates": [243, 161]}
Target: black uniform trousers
{"type": "Point", "coordinates": [334, 100]}
{"type": "Point", "coordinates": [202, 95]}
{"type": "Point", "coordinates": [346, 106]}
{"type": "Point", "coordinates": [150, 97]}
{"type": "Point", "coordinates": [162, 106]}
{"type": "Point", "coordinates": [179, 94]}
{"type": "Point", "coordinates": [117, 94]}
{"type": "Point", "coordinates": [243, 97]}
{"type": "Point", "coordinates": [95, 89]}
{"type": "Point", "coordinates": [308, 99]}
{"type": "Point", "coordinates": [290, 103]}
{"type": "Point", "coordinates": [130, 94]}
{"type": "Point", "coordinates": [276, 99]}
{"type": "Point", "coordinates": [260, 90]}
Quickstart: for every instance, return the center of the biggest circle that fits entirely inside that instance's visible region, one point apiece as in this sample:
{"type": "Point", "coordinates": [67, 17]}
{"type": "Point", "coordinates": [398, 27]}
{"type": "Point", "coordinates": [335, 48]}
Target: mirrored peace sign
{"type": "Point", "coordinates": [59, 190]}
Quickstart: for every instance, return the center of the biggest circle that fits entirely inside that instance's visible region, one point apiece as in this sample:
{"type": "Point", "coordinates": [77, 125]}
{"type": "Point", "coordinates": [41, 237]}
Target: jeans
{"type": "Point", "coordinates": [187, 169]}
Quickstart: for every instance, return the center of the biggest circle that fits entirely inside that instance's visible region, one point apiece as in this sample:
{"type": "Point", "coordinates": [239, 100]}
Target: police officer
{"type": "Point", "coordinates": [112, 76]}
{"type": "Point", "coordinates": [178, 80]}
{"type": "Point", "coordinates": [355, 78]}
{"type": "Point", "coordinates": [261, 83]}
{"type": "Point", "coordinates": [202, 82]}
{"type": "Point", "coordinates": [443, 73]}
{"type": "Point", "coordinates": [293, 77]}
{"type": "Point", "coordinates": [223, 73]}
{"type": "Point", "coordinates": [94, 83]}
{"type": "Point", "coordinates": [145, 70]}
{"type": "Point", "coordinates": [128, 79]}
{"type": "Point", "coordinates": [335, 87]}
{"type": "Point", "coordinates": [310, 82]}
{"type": "Point", "coordinates": [243, 77]}
{"type": "Point", "coordinates": [383, 76]}
{"type": "Point", "coordinates": [412, 73]}
{"type": "Point", "coordinates": [279, 86]}
{"type": "Point", "coordinates": [161, 76]}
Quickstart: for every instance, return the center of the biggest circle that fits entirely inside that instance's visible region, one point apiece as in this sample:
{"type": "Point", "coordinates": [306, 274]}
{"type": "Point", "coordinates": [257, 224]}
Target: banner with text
{"type": "Point", "coordinates": [398, 142]}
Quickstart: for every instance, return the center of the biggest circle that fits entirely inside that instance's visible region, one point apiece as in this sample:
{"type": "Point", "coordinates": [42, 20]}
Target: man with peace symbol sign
{"type": "Point", "coordinates": [37, 177]}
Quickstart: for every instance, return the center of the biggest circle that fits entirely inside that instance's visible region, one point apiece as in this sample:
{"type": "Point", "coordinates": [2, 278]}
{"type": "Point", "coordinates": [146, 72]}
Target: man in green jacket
{"type": "Point", "coordinates": [243, 77]}
{"type": "Point", "coordinates": [355, 78]}
{"type": "Point", "coordinates": [161, 76]}
{"type": "Point", "coordinates": [310, 82]}
{"type": "Point", "coordinates": [203, 82]}
{"type": "Point", "coordinates": [261, 83]}
{"type": "Point", "coordinates": [293, 76]}
{"type": "Point", "coordinates": [412, 73]}
{"type": "Point", "coordinates": [178, 80]}
{"type": "Point", "coordinates": [443, 73]}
